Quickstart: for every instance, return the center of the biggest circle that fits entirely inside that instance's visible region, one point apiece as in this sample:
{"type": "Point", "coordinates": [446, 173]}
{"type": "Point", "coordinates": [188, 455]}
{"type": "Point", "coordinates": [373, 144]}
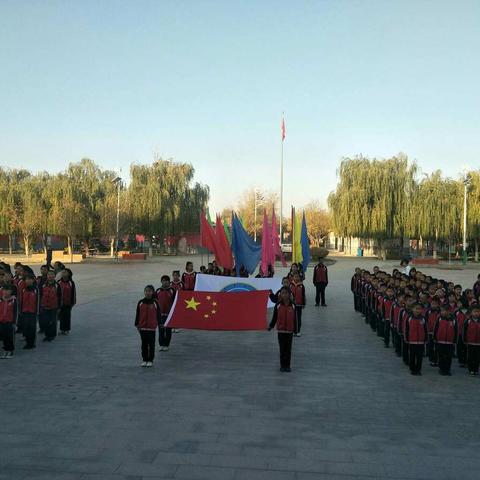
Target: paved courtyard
{"type": "Point", "coordinates": [216, 407]}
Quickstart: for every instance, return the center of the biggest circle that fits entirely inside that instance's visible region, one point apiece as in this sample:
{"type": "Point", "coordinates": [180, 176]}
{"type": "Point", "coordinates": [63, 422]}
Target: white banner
{"type": "Point", "coordinates": [217, 283]}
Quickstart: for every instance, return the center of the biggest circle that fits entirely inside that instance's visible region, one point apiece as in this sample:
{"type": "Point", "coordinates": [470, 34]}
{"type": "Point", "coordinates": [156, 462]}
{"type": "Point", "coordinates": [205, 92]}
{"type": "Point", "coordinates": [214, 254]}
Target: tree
{"type": "Point", "coordinates": [318, 223]}
{"type": "Point", "coordinates": [373, 198]}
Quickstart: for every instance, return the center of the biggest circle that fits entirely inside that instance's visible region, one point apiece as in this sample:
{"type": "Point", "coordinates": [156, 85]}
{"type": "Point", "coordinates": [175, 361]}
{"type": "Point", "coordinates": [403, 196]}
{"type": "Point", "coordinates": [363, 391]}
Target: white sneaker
{"type": "Point", "coordinates": [299, 334]}
{"type": "Point", "coordinates": [165, 349]}
{"type": "Point", "coordinates": [149, 364]}
{"type": "Point", "coordinates": [143, 364]}
{"type": "Point", "coordinates": [162, 349]}
{"type": "Point", "coordinates": [8, 355]}
{"type": "Point", "coordinates": [3, 356]}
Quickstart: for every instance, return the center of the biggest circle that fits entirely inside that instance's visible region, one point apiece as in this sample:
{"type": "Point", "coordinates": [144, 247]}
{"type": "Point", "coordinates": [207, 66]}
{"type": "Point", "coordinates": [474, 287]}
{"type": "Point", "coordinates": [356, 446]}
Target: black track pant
{"type": "Point", "coordinates": [461, 351]}
{"type": "Point", "coordinates": [416, 357]}
{"type": "Point", "coordinates": [164, 336]}
{"type": "Point", "coordinates": [432, 349]}
{"type": "Point", "coordinates": [285, 344]}
{"type": "Point", "coordinates": [445, 354]}
{"type": "Point", "coordinates": [320, 295]}
{"type": "Point", "coordinates": [148, 345]}
{"type": "Point", "coordinates": [30, 328]}
{"type": "Point", "coordinates": [65, 316]}
{"type": "Point", "coordinates": [49, 320]}
{"type": "Point", "coordinates": [473, 358]}
{"type": "Point", "coordinates": [386, 333]}
{"type": "Point", "coordinates": [7, 334]}
{"type": "Point", "coordinates": [299, 318]}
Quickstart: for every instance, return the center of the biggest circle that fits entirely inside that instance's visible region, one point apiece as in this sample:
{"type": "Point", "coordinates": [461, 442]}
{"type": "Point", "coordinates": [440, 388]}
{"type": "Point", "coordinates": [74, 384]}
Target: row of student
{"type": "Point", "coordinates": [153, 309]}
{"type": "Point", "coordinates": [421, 315]}
{"type": "Point", "coordinates": [26, 300]}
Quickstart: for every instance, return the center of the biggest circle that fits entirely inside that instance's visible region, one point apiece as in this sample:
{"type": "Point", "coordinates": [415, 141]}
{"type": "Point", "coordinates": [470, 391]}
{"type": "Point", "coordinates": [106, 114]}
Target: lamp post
{"type": "Point", "coordinates": [466, 183]}
{"type": "Point", "coordinates": [118, 182]}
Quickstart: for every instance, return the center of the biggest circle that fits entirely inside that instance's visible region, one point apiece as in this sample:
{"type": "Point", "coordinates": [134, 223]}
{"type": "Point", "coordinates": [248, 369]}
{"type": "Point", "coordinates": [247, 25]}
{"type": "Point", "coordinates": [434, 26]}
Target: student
{"type": "Point", "coordinates": [388, 303]}
{"type": "Point", "coordinates": [29, 309]}
{"type": "Point", "coordinates": [416, 335]}
{"type": "Point", "coordinates": [461, 315]}
{"type": "Point", "coordinates": [275, 297]}
{"type": "Point", "coordinates": [176, 283]}
{"type": "Point", "coordinates": [354, 284]}
{"type": "Point", "coordinates": [298, 293]}
{"type": "Point", "coordinates": [320, 280]}
{"type": "Point", "coordinates": [188, 277]}
{"type": "Point", "coordinates": [476, 288]}
{"type": "Point", "coordinates": [285, 318]}
{"type": "Point", "coordinates": [42, 278]}
{"type": "Point", "coordinates": [8, 280]}
{"type": "Point", "coordinates": [432, 316]}
{"type": "Point", "coordinates": [293, 271]}
{"type": "Point", "coordinates": [147, 320]}
{"type": "Point", "coordinates": [203, 269]}
{"type": "Point", "coordinates": [68, 300]}
{"type": "Point", "coordinates": [445, 337]}
{"type": "Point", "coordinates": [165, 296]}
{"type": "Point", "coordinates": [397, 313]}
{"type": "Point", "coordinates": [58, 268]}
{"type": "Point", "coordinates": [50, 300]}
{"type": "Point", "coordinates": [215, 268]}
{"type": "Point", "coordinates": [8, 318]}
{"type": "Point", "coordinates": [471, 337]}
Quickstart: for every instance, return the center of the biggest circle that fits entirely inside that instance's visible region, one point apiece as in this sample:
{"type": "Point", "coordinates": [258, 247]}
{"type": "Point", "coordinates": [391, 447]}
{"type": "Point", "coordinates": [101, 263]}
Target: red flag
{"type": "Point", "coordinates": [219, 310]}
{"type": "Point", "coordinates": [223, 253]}
{"type": "Point", "coordinates": [284, 131]}
{"type": "Point", "coordinates": [207, 234]}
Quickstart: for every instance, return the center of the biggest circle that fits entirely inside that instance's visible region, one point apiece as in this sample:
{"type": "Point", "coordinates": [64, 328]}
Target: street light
{"type": "Point", "coordinates": [118, 182]}
{"type": "Point", "coordinates": [466, 183]}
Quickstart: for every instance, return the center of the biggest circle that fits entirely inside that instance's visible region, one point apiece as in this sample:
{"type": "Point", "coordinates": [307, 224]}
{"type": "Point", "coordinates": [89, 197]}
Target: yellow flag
{"type": "Point", "coordinates": [297, 256]}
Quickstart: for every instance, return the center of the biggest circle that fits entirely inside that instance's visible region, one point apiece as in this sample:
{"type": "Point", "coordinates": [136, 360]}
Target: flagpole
{"type": "Point", "coordinates": [281, 181]}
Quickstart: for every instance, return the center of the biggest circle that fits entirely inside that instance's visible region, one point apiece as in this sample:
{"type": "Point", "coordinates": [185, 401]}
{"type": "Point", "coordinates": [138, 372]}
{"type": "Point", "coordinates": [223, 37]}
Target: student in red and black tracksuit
{"type": "Point", "coordinates": [416, 336]}
{"type": "Point", "coordinates": [8, 319]}
{"type": "Point", "coordinates": [380, 298]}
{"type": "Point", "coordinates": [461, 315]}
{"type": "Point", "coordinates": [354, 287]}
{"type": "Point", "coordinates": [177, 284]}
{"type": "Point", "coordinates": [298, 293]}
{"type": "Point", "coordinates": [275, 297]}
{"type": "Point", "coordinates": [42, 278]}
{"type": "Point", "coordinates": [445, 337]}
{"type": "Point", "coordinates": [285, 318]}
{"type": "Point", "coordinates": [388, 303]}
{"type": "Point", "coordinates": [431, 316]}
{"type": "Point", "coordinates": [29, 309]}
{"type": "Point", "coordinates": [147, 320]}
{"type": "Point", "coordinates": [476, 288]}
{"type": "Point", "coordinates": [320, 280]}
{"type": "Point", "coordinates": [69, 299]}
{"type": "Point", "coordinates": [471, 337]}
{"type": "Point", "coordinates": [165, 296]}
{"type": "Point", "coordinates": [189, 277]}
{"type": "Point", "coordinates": [50, 301]}
{"type": "Point", "coordinates": [397, 312]}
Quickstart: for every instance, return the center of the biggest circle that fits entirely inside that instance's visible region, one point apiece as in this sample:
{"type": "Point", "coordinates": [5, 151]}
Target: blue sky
{"type": "Point", "coordinates": [206, 82]}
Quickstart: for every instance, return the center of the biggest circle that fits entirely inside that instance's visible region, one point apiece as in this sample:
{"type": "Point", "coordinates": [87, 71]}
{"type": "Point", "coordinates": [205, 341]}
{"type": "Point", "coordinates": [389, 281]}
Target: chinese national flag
{"type": "Point", "coordinates": [219, 310]}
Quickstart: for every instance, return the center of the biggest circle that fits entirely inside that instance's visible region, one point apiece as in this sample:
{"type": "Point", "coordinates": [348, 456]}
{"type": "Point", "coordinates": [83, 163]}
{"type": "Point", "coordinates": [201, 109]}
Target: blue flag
{"type": "Point", "coordinates": [245, 250]}
{"type": "Point", "coordinates": [305, 245]}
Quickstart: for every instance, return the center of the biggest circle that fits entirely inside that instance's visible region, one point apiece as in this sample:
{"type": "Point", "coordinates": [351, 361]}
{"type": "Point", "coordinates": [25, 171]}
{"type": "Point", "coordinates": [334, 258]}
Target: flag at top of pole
{"type": "Point", "coordinates": [284, 132]}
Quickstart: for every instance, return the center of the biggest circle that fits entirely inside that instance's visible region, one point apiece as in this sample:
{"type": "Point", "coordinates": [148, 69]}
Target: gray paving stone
{"type": "Point", "coordinates": [216, 406]}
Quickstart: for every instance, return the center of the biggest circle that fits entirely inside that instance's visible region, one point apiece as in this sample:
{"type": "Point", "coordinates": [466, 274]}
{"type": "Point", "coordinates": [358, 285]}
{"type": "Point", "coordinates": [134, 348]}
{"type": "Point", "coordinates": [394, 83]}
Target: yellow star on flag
{"type": "Point", "coordinates": [214, 304]}
{"type": "Point", "coordinates": [192, 304]}
{"type": "Point", "coordinates": [214, 311]}
{"type": "Point", "coordinates": [206, 315]}
{"type": "Point", "coordinates": [209, 297]}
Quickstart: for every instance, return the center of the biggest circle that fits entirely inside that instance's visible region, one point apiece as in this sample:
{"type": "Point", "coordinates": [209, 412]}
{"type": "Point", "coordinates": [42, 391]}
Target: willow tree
{"type": "Point", "coordinates": [373, 198]}
{"type": "Point", "coordinates": [161, 199]}
{"type": "Point", "coordinates": [436, 209]}
{"type": "Point", "coordinates": [473, 210]}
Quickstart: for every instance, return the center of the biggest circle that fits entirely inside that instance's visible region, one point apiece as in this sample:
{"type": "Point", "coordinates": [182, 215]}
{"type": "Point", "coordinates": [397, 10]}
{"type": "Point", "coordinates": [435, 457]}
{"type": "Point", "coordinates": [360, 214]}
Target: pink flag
{"type": "Point", "coordinates": [284, 131]}
{"type": "Point", "coordinates": [276, 247]}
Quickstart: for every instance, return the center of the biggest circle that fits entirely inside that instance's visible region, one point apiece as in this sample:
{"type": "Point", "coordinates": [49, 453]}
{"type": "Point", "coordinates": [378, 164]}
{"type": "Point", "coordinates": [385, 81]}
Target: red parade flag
{"type": "Point", "coordinates": [284, 131]}
{"type": "Point", "coordinates": [223, 253]}
{"type": "Point", "coordinates": [219, 310]}
{"type": "Point", "coordinates": [207, 234]}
